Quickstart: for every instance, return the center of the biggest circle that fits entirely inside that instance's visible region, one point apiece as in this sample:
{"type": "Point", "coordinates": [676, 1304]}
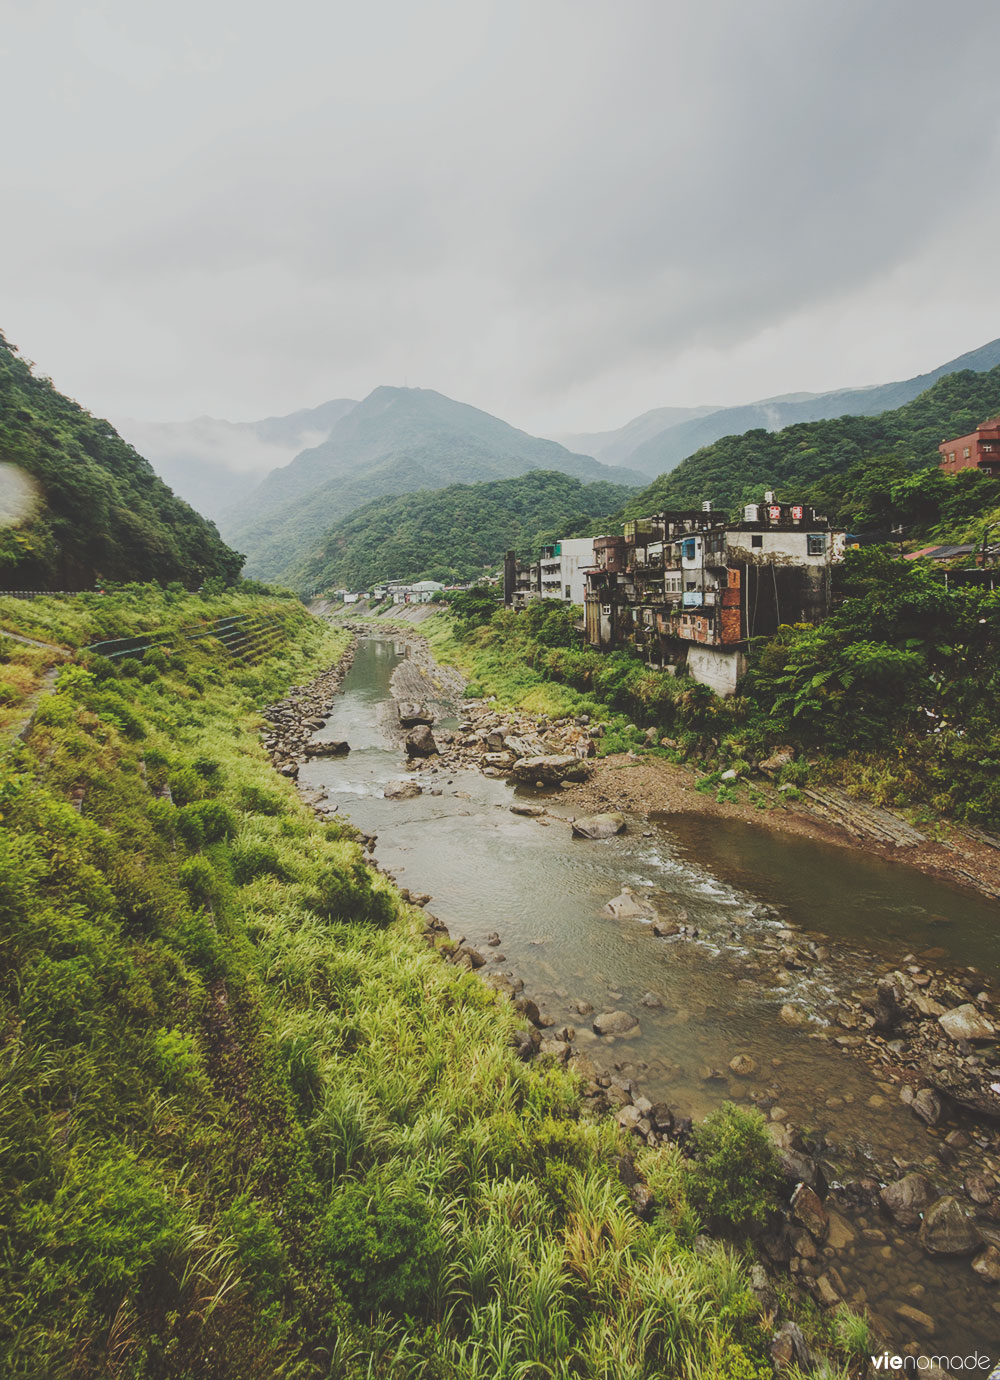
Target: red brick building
{"type": "Point", "coordinates": [980, 450]}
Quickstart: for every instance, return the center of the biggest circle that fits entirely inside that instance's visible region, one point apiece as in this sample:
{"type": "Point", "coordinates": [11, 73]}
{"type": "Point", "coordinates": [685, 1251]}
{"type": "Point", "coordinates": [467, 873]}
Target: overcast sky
{"type": "Point", "coordinates": [562, 211]}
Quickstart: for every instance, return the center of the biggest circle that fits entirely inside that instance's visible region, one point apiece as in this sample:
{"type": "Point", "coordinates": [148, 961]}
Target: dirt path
{"type": "Point", "coordinates": [21, 727]}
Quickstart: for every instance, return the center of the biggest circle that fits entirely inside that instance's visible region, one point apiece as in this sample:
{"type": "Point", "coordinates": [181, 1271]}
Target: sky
{"type": "Point", "coordinates": [562, 211]}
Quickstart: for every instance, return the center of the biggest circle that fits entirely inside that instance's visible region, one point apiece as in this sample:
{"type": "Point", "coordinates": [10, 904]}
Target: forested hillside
{"type": "Point", "coordinates": [458, 532]}
{"type": "Point", "coordinates": [101, 514]}
{"type": "Point", "coordinates": [830, 463]}
{"type": "Point", "coordinates": [396, 441]}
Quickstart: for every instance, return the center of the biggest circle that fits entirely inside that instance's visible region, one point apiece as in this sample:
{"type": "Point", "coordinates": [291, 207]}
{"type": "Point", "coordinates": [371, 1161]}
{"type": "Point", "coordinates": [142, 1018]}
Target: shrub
{"type": "Point", "coordinates": [381, 1241]}
{"type": "Point", "coordinates": [735, 1174]}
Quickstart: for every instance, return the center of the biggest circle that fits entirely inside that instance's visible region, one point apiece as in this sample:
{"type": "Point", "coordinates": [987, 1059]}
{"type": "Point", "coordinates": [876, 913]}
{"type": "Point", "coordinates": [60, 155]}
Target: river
{"type": "Point", "coordinates": [701, 999]}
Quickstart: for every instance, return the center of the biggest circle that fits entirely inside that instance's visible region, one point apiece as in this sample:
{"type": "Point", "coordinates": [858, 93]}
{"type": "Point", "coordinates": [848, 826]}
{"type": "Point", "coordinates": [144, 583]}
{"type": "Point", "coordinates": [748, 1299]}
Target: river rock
{"type": "Point", "coordinates": [807, 1209]}
{"type": "Point", "coordinates": [615, 1023]}
{"type": "Point", "coordinates": [923, 1322]}
{"type": "Point", "coordinates": [555, 1049]}
{"type": "Point", "coordinates": [599, 827]}
{"type": "Point", "coordinates": [947, 1229]}
{"type": "Point", "coordinates": [951, 1074]}
{"type": "Point", "coordinates": [928, 1106]}
{"type": "Point", "coordinates": [987, 1265]}
{"type": "Point", "coordinates": [793, 1015]}
{"type": "Point", "coordinates": [551, 770]}
{"type": "Point", "coordinates": [743, 1066]}
{"type": "Point", "coordinates": [790, 1348]}
{"type": "Point", "coordinates": [401, 790]}
{"type": "Point", "coordinates": [532, 811]}
{"type": "Point", "coordinates": [412, 714]}
{"type": "Point", "coordinates": [967, 1023]}
{"type": "Point", "coordinates": [528, 1009]}
{"type": "Point", "coordinates": [420, 742]}
{"type": "Point", "coordinates": [625, 906]}
{"type": "Point", "coordinates": [907, 1198]}
{"type": "Point", "coordinates": [329, 747]}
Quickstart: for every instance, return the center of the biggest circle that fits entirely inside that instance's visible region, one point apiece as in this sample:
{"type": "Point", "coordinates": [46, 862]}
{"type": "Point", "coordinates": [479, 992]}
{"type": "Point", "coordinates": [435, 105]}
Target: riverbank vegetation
{"type": "Point", "coordinates": [893, 694]}
{"type": "Point", "coordinates": [252, 1126]}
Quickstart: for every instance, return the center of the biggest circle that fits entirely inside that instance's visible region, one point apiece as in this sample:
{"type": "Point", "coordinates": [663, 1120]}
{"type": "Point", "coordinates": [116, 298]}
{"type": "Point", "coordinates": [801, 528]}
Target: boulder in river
{"type": "Point", "coordinates": [599, 826]}
{"type": "Point", "coordinates": [743, 1066]}
{"type": "Point", "coordinates": [807, 1209]}
{"type": "Point", "coordinates": [615, 1023]}
{"type": "Point", "coordinates": [401, 790]}
{"type": "Point", "coordinates": [947, 1229]}
{"type": "Point", "coordinates": [907, 1198]}
{"type": "Point", "coordinates": [412, 714]}
{"type": "Point", "coordinates": [551, 770]}
{"type": "Point", "coordinates": [420, 742]}
{"type": "Point", "coordinates": [626, 906]}
{"type": "Point", "coordinates": [967, 1023]}
{"type": "Point", "coordinates": [328, 747]}
{"type": "Point", "coordinates": [987, 1265]}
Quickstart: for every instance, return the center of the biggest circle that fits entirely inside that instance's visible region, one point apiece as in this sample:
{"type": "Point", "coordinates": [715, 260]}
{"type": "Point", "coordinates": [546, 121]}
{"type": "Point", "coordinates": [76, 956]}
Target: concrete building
{"type": "Point", "coordinates": [559, 573]}
{"type": "Point", "coordinates": [688, 590]}
{"type": "Point", "coordinates": [980, 450]}
{"type": "Point", "coordinates": [423, 592]}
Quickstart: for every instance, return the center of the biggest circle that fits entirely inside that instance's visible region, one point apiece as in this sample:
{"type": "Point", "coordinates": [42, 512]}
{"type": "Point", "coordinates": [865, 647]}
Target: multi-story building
{"type": "Point", "coordinates": [980, 450]}
{"type": "Point", "coordinates": [559, 573]}
{"type": "Point", "coordinates": [689, 589]}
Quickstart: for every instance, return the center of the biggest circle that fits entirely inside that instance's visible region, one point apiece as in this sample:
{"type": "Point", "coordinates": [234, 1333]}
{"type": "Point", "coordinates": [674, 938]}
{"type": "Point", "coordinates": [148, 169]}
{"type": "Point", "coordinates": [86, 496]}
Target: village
{"type": "Point", "coordinates": [688, 589]}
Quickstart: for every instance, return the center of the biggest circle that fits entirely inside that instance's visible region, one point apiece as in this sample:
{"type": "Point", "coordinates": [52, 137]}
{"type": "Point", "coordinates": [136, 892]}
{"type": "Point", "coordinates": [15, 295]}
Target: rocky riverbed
{"type": "Point", "coordinates": [928, 1033]}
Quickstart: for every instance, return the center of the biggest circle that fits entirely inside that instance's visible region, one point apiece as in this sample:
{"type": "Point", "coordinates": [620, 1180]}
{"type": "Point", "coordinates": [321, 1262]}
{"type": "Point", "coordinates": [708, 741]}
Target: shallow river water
{"type": "Point", "coordinates": [544, 892]}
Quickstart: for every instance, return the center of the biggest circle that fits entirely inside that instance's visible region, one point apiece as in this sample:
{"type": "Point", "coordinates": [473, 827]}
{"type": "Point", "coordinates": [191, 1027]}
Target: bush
{"type": "Point", "coordinates": [381, 1241]}
{"type": "Point", "coordinates": [735, 1174]}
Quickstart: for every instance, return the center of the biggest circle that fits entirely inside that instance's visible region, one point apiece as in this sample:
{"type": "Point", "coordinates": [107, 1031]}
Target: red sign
{"type": "Point", "coordinates": [797, 513]}
{"type": "Point", "coordinates": [774, 514]}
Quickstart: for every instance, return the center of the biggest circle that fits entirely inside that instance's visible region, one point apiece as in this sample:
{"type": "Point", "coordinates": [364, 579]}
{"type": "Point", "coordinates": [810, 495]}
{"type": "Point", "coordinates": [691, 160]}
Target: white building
{"type": "Point", "coordinates": [561, 569]}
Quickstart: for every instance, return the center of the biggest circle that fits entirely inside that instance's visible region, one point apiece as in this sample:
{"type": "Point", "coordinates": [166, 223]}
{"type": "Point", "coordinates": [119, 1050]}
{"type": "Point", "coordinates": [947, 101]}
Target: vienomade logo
{"type": "Point", "coordinates": [912, 1364]}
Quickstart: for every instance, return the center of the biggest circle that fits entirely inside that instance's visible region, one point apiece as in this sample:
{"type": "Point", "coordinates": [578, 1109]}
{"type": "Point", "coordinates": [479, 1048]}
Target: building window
{"type": "Point", "coordinates": [757, 539]}
{"type": "Point", "coordinates": [815, 543]}
{"type": "Point", "coordinates": [967, 452]}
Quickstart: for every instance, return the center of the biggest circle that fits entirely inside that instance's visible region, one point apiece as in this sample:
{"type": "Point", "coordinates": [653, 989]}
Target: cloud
{"type": "Point", "coordinates": [563, 212]}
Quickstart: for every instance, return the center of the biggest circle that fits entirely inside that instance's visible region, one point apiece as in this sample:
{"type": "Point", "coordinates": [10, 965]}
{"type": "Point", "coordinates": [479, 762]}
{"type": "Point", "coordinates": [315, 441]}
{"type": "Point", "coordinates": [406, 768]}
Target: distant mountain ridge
{"type": "Point", "coordinates": [395, 441]}
{"type": "Point", "coordinates": [643, 445]}
{"type": "Point", "coordinates": [213, 463]}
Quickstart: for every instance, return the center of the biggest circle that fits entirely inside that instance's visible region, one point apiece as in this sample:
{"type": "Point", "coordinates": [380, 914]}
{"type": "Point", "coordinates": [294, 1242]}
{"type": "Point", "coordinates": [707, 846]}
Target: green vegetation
{"type": "Point", "coordinates": [458, 532]}
{"type": "Point", "coordinates": [862, 471]}
{"type": "Point", "coordinates": [102, 513]}
{"type": "Point", "coordinates": [396, 441]}
{"type": "Point", "coordinates": [894, 694]}
{"type": "Point", "coordinates": [252, 1126]}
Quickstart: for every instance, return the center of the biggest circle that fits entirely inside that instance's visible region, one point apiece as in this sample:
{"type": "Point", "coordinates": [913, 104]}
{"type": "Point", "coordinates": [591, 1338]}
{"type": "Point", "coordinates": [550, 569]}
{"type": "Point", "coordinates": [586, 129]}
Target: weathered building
{"type": "Point", "coordinates": [980, 450]}
{"type": "Point", "coordinates": [689, 589]}
{"type": "Point", "coordinates": [559, 573]}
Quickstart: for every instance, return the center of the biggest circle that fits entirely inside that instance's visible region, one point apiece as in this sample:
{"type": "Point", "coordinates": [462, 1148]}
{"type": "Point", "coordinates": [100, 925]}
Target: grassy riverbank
{"type": "Point", "coordinates": [252, 1125]}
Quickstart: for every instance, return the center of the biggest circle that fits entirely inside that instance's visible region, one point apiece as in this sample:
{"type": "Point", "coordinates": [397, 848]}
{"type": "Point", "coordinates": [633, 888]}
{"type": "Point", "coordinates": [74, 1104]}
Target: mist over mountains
{"type": "Point", "coordinates": [213, 464]}
{"type": "Point", "coordinates": [396, 441]}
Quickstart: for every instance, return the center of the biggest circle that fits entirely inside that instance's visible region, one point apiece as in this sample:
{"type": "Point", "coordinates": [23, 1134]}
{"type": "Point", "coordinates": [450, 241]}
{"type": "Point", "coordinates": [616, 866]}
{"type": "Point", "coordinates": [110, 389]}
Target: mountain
{"type": "Point", "coordinates": [95, 509]}
{"type": "Point", "coordinates": [213, 463]}
{"type": "Point", "coordinates": [643, 444]}
{"type": "Point", "coordinates": [457, 532]}
{"type": "Point", "coordinates": [615, 447]}
{"type": "Point", "coordinates": [839, 464]}
{"type": "Point", "coordinates": [396, 441]}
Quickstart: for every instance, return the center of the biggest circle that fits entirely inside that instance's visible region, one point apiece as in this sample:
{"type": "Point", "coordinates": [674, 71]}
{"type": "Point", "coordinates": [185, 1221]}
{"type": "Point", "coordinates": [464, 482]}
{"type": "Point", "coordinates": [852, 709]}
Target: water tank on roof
{"type": "Point", "coordinates": [751, 513]}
